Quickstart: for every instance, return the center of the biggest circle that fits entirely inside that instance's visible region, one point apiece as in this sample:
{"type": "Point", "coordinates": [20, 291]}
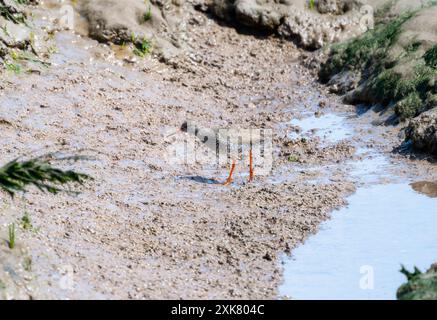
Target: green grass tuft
{"type": "Point", "coordinates": [148, 14]}
{"type": "Point", "coordinates": [11, 234]}
{"type": "Point", "coordinates": [430, 57]}
{"type": "Point", "coordinates": [13, 67]}
{"type": "Point", "coordinates": [413, 46]}
{"type": "Point", "coordinates": [143, 48]}
{"type": "Point", "coordinates": [16, 176]}
{"type": "Point", "coordinates": [410, 275]}
{"type": "Point", "coordinates": [26, 222]}
{"type": "Point", "coordinates": [367, 51]}
{"type": "Point", "coordinates": [312, 4]}
{"type": "Point", "coordinates": [409, 107]}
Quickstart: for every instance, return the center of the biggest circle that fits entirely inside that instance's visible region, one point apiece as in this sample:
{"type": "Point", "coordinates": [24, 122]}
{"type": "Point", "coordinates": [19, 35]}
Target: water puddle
{"type": "Point", "coordinates": [372, 168]}
{"type": "Point", "coordinates": [357, 254]}
{"type": "Point", "coordinates": [329, 127]}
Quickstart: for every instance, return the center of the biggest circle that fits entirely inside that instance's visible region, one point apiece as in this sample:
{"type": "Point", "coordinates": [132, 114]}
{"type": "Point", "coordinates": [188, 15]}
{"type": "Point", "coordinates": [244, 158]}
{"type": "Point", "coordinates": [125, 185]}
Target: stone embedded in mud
{"type": "Point", "coordinates": [420, 287]}
{"type": "Point", "coordinates": [337, 6]}
{"type": "Point", "coordinates": [422, 131]}
{"type": "Point", "coordinates": [133, 21]}
{"type": "Point", "coordinates": [251, 13]}
{"type": "Point", "coordinates": [294, 20]}
{"type": "Point", "coordinates": [343, 82]}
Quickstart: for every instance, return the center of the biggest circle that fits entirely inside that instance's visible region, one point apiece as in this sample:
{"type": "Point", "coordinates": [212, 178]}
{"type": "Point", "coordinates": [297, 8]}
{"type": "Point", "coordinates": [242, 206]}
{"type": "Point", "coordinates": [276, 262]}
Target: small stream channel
{"type": "Point", "coordinates": [358, 253]}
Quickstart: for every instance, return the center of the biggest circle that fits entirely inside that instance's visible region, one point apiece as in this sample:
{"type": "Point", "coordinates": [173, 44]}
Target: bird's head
{"type": "Point", "coordinates": [184, 127]}
{"type": "Point", "coordinates": [189, 127]}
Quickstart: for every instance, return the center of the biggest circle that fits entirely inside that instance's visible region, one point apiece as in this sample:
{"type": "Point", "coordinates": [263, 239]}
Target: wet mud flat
{"type": "Point", "coordinates": [150, 228]}
{"type": "Point", "coordinates": [143, 229]}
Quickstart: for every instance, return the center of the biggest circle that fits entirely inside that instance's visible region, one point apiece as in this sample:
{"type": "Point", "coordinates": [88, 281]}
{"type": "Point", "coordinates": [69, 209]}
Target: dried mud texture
{"type": "Point", "coordinates": [127, 21]}
{"type": "Point", "coordinates": [330, 21]}
{"type": "Point", "coordinates": [422, 131]}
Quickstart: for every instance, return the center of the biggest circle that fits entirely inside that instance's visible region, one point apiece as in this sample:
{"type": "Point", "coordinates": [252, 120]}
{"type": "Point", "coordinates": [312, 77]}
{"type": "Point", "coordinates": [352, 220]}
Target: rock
{"type": "Point", "coordinates": [294, 20]}
{"type": "Point", "coordinates": [223, 9]}
{"type": "Point", "coordinates": [330, 6]}
{"type": "Point", "coordinates": [251, 13]}
{"type": "Point", "coordinates": [343, 82]}
{"type": "Point", "coordinates": [337, 6]}
{"type": "Point", "coordinates": [131, 21]}
{"type": "Point", "coordinates": [3, 49]}
{"type": "Point", "coordinates": [422, 131]}
{"type": "Point", "coordinates": [420, 286]}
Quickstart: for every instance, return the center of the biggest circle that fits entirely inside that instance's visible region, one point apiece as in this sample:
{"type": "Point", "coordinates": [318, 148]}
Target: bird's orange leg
{"type": "Point", "coordinates": [251, 172]}
{"type": "Point", "coordinates": [229, 180]}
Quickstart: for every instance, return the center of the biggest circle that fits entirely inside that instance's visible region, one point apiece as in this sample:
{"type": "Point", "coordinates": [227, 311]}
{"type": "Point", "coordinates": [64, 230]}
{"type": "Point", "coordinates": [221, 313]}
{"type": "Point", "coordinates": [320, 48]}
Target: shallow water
{"type": "Point", "coordinates": [329, 127]}
{"type": "Point", "coordinates": [357, 254]}
{"type": "Point", "coordinates": [389, 221]}
{"type": "Point", "coordinates": [371, 169]}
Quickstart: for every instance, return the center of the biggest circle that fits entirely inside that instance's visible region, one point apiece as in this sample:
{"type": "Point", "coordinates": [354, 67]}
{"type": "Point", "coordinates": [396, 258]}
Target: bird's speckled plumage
{"type": "Point", "coordinates": [224, 141]}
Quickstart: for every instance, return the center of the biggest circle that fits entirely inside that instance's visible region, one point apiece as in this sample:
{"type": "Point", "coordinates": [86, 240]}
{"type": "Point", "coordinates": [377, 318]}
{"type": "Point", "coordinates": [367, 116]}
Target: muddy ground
{"type": "Point", "coordinates": [147, 227]}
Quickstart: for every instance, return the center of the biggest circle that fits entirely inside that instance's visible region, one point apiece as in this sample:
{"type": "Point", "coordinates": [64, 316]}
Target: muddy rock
{"type": "Point", "coordinates": [252, 13]}
{"type": "Point", "coordinates": [337, 6]}
{"type": "Point", "coordinates": [422, 131]}
{"type": "Point", "coordinates": [295, 20]}
{"type": "Point", "coordinates": [133, 21]}
{"type": "Point", "coordinates": [343, 82]}
{"type": "Point", "coordinates": [422, 286]}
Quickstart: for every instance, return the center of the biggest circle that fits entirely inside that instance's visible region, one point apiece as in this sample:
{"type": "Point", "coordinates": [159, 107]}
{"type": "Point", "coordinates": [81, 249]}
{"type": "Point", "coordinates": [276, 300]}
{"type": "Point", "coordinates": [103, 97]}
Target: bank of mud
{"type": "Point", "coordinates": [393, 65]}
{"type": "Point", "coordinates": [147, 227]}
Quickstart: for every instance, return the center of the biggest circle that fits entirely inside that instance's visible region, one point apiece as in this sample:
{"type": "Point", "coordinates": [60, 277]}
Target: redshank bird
{"type": "Point", "coordinates": [229, 143]}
